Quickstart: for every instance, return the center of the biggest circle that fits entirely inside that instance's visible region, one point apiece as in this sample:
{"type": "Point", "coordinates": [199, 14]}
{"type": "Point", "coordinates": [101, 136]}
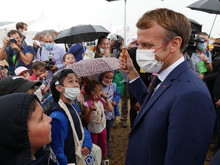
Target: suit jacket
{"type": "Point", "coordinates": [175, 125]}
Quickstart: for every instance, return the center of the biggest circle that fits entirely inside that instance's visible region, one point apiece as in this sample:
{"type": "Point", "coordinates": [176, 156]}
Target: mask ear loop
{"type": "Point", "coordinates": [166, 43]}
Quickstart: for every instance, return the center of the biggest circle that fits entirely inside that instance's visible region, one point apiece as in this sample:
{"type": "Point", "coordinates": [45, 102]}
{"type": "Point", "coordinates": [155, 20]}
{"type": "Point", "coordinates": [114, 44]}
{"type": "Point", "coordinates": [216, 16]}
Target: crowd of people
{"type": "Point", "coordinates": [49, 115]}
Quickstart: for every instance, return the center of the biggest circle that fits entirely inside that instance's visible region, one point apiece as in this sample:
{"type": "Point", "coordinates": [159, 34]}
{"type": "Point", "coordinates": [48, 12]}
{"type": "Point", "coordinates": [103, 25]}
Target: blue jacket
{"type": "Point", "coordinates": [175, 125]}
{"type": "Point", "coordinates": [62, 139]}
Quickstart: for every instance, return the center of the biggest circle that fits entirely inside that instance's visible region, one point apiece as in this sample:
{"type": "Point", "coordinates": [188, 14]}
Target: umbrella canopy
{"type": "Point", "coordinates": [91, 67]}
{"type": "Point", "coordinates": [81, 33]}
{"type": "Point", "coordinates": [195, 25]}
{"type": "Point", "coordinates": [39, 34]}
{"type": "Point", "coordinates": [208, 6]}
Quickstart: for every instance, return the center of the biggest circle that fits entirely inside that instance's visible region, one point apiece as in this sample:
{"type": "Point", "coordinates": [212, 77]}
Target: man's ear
{"type": "Point", "coordinates": [59, 88]}
{"type": "Point", "coordinates": [176, 44]}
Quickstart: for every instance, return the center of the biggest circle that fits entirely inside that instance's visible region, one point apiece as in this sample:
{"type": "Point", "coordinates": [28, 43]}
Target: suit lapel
{"type": "Point", "coordinates": [167, 83]}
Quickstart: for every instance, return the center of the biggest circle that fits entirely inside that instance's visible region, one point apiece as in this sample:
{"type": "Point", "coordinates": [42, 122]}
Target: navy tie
{"type": "Point", "coordinates": [155, 82]}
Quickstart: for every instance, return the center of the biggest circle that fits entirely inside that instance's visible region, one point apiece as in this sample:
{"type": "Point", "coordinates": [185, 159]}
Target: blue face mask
{"type": "Point", "coordinates": [49, 46]}
{"type": "Point", "coordinates": [202, 46]}
{"type": "Point", "coordinates": [41, 43]}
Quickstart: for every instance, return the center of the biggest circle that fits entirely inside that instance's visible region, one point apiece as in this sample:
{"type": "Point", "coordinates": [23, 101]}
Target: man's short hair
{"type": "Point", "coordinates": [11, 32]}
{"type": "Point", "coordinates": [48, 35]}
{"type": "Point", "coordinates": [203, 33]}
{"type": "Point", "coordinates": [175, 24]}
{"type": "Point", "coordinates": [20, 25]}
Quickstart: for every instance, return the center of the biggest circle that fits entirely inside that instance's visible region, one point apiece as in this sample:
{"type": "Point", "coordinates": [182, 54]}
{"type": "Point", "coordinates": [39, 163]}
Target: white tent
{"type": "Point", "coordinates": [40, 24]}
{"type": "Point", "coordinates": [43, 23]}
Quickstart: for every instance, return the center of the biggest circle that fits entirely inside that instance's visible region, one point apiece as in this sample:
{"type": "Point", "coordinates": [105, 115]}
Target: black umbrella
{"type": "Point", "coordinates": [81, 33]}
{"type": "Point", "coordinates": [208, 6]}
{"type": "Point", "coordinates": [196, 27]}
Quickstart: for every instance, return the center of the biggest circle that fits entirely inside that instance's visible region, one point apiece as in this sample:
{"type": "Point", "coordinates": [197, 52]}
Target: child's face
{"type": "Point", "coordinates": [71, 81]}
{"type": "Point", "coordinates": [39, 129]}
{"type": "Point", "coordinates": [107, 78]}
{"type": "Point", "coordinates": [69, 59]}
{"type": "Point", "coordinates": [97, 92]}
{"type": "Point", "coordinates": [26, 75]}
{"type": "Point", "coordinates": [39, 71]}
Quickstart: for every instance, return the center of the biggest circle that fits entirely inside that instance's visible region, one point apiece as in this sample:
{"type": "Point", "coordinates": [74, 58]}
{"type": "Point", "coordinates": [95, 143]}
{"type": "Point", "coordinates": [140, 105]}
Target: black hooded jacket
{"type": "Point", "coordinates": [14, 142]}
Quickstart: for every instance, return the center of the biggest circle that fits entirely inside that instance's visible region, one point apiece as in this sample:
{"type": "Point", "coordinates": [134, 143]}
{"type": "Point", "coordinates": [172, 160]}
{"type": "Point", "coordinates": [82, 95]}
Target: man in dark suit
{"type": "Point", "coordinates": [176, 120]}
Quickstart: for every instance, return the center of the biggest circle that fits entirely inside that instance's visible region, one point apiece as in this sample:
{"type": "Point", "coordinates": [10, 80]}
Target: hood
{"type": "Point", "coordinates": [14, 141]}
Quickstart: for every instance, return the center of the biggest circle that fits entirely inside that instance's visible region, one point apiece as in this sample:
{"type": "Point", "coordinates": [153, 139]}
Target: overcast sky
{"type": "Point", "coordinates": [68, 13]}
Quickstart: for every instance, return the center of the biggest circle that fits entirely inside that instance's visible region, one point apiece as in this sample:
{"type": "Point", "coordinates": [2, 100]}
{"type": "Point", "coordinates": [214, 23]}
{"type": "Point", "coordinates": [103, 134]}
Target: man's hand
{"type": "Point", "coordinates": [54, 68]}
{"type": "Point", "coordinates": [5, 41]}
{"type": "Point", "coordinates": [201, 76]}
{"type": "Point", "coordinates": [204, 58]}
{"type": "Point", "coordinates": [14, 46]}
{"type": "Point", "coordinates": [126, 65]}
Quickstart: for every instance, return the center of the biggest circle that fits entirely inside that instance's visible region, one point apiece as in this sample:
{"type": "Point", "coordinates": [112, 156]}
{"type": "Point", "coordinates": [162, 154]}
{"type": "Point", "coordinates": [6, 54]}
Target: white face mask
{"type": "Point", "coordinates": [24, 32]}
{"type": "Point", "coordinates": [102, 50]}
{"type": "Point", "coordinates": [103, 82]}
{"type": "Point", "coordinates": [146, 60]}
{"type": "Point", "coordinates": [71, 93]}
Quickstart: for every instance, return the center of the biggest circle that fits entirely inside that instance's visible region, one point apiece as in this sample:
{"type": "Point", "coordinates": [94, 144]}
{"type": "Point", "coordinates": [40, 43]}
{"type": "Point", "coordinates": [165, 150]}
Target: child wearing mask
{"type": "Point", "coordinates": [94, 115]}
{"type": "Point", "coordinates": [102, 48]}
{"type": "Point", "coordinates": [25, 135]}
{"type": "Point", "coordinates": [110, 89]}
{"type": "Point", "coordinates": [70, 141]}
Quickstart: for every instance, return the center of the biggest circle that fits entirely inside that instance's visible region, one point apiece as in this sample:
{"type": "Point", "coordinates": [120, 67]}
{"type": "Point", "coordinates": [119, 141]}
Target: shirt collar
{"type": "Point", "coordinates": [162, 76]}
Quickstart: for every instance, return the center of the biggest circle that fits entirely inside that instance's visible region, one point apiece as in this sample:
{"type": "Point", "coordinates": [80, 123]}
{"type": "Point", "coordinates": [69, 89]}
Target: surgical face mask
{"type": "Point", "coordinates": [146, 60]}
{"type": "Point", "coordinates": [71, 93]}
{"type": "Point", "coordinates": [41, 43]}
{"type": "Point", "coordinates": [24, 33]}
{"type": "Point", "coordinates": [49, 46]}
{"type": "Point", "coordinates": [202, 46]}
{"type": "Point", "coordinates": [102, 50]}
{"type": "Point", "coordinates": [103, 82]}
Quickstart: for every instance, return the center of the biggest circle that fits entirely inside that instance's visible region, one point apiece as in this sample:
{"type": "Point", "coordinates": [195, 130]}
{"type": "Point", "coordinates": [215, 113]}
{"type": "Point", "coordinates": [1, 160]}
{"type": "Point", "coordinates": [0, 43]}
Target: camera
{"type": "Point", "coordinates": [12, 40]}
{"type": "Point", "coordinates": [49, 63]}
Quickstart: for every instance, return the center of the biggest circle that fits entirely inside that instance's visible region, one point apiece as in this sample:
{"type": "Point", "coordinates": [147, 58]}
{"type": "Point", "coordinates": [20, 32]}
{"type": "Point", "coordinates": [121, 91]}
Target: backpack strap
{"type": "Point", "coordinates": [89, 102]}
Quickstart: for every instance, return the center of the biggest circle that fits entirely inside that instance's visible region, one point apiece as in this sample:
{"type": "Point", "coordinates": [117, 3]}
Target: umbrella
{"type": "Point", "coordinates": [208, 6]}
{"type": "Point", "coordinates": [195, 26]}
{"type": "Point", "coordinates": [39, 34]}
{"type": "Point", "coordinates": [91, 67]}
{"type": "Point", "coordinates": [81, 33]}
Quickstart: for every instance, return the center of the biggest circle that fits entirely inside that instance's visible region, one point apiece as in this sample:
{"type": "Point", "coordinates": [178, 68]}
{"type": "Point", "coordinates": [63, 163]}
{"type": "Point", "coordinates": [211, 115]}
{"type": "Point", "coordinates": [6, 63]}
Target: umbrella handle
{"type": "Point", "coordinates": [212, 25]}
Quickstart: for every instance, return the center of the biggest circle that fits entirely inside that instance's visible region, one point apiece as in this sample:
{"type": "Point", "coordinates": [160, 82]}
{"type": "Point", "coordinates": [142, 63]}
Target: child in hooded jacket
{"type": "Point", "coordinates": [25, 131]}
